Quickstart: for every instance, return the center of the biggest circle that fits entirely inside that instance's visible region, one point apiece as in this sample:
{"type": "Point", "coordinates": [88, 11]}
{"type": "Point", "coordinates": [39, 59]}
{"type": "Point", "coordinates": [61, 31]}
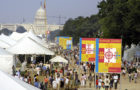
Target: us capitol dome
{"type": "Point", "coordinates": [40, 22]}
{"type": "Point", "coordinates": [39, 26]}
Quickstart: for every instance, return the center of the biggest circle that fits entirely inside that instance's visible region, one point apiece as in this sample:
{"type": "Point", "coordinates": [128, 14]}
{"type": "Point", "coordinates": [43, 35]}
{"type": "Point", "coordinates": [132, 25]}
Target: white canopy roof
{"type": "Point", "coordinates": [7, 39]}
{"type": "Point", "coordinates": [29, 46]}
{"type": "Point", "coordinates": [58, 59]}
{"type": "Point", "coordinates": [34, 37]}
{"type": "Point", "coordinates": [17, 36]}
{"type": "Point", "coordinates": [8, 82]}
{"type": "Point", "coordinates": [3, 44]}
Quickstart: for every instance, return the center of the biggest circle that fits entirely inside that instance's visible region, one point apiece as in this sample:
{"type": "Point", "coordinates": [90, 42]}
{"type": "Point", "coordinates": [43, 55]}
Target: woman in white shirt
{"type": "Point", "coordinates": [83, 80]}
{"type": "Point", "coordinates": [107, 81]}
{"type": "Point", "coordinates": [100, 82]}
{"type": "Point", "coordinates": [54, 84]}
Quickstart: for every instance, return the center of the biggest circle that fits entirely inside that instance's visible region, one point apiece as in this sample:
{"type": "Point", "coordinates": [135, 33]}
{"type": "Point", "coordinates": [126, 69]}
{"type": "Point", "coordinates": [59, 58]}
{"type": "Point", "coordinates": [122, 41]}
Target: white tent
{"type": "Point", "coordinates": [6, 61]}
{"type": "Point", "coordinates": [3, 44]}
{"type": "Point", "coordinates": [58, 59]}
{"type": "Point", "coordinates": [129, 54]}
{"type": "Point", "coordinates": [7, 39]}
{"type": "Point", "coordinates": [8, 82]}
{"type": "Point", "coordinates": [17, 36]}
{"type": "Point", "coordinates": [34, 37]}
{"type": "Point", "coordinates": [29, 46]}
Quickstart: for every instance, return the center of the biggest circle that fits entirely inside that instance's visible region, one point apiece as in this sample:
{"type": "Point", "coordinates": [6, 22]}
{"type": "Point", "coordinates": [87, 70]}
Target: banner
{"type": "Point", "coordinates": [108, 55]}
{"type": "Point", "coordinates": [65, 42]}
{"type": "Point", "coordinates": [87, 49]}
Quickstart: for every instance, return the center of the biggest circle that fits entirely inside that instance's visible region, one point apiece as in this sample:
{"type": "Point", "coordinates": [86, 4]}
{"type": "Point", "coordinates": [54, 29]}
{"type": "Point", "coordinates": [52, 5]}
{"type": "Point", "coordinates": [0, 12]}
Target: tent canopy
{"type": "Point", "coordinates": [7, 39]}
{"type": "Point", "coordinates": [17, 36]}
{"type": "Point", "coordinates": [34, 37]}
{"type": "Point", "coordinates": [9, 82]}
{"type": "Point", "coordinates": [6, 61]}
{"type": "Point", "coordinates": [58, 59]}
{"type": "Point", "coordinates": [4, 44]}
{"type": "Point", "coordinates": [28, 46]}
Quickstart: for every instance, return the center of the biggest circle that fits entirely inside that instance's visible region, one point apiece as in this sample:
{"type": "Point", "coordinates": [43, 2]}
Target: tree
{"type": "Point", "coordinates": [81, 27]}
{"type": "Point", "coordinates": [21, 29]}
{"type": "Point", "coordinates": [120, 19]}
{"type": "Point", "coordinates": [6, 31]}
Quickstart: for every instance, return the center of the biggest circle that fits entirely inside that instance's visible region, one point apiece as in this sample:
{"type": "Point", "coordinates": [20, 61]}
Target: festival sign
{"type": "Point", "coordinates": [87, 49]}
{"type": "Point", "coordinates": [108, 55]}
{"type": "Point", "coordinates": [65, 42]}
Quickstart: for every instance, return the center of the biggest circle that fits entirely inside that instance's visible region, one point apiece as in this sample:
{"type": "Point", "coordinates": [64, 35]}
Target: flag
{"type": "Point", "coordinates": [45, 4]}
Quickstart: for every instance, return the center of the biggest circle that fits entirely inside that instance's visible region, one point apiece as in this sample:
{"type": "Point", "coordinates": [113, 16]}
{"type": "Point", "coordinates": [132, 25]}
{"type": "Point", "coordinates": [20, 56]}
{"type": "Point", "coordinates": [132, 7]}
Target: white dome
{"type": "Point", "coordinates": [40, 21]}
{"type": "Point", "coordinates": [40, 14]}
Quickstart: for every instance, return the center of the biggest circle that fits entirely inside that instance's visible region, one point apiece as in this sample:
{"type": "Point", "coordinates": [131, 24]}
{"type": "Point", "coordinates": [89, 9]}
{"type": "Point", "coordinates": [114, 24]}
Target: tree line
{"type": "Point", "coordinates": [115, 19]}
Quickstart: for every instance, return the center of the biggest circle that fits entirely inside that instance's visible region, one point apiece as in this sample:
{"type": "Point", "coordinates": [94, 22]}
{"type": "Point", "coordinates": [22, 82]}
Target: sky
{"type": "Point", "coordinates": [13, 11]}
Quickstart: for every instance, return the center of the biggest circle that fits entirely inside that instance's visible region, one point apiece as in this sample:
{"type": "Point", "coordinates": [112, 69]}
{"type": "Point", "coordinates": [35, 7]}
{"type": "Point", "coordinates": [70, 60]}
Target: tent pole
{"type": "Point", "coordinates": [44, 59]}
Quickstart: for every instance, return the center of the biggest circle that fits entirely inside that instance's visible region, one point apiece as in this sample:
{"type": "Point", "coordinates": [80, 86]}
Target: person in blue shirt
{"type": "Point", "coordinates": [36, 83]}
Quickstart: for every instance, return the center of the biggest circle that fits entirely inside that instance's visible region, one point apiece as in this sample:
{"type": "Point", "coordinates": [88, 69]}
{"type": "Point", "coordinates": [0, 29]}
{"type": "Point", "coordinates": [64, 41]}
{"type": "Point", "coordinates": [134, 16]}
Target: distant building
{"type": "Point", "coordinates": [39, 26]}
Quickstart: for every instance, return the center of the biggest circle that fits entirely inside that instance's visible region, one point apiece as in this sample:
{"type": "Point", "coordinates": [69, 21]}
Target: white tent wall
{"type": "Point", "coordinates": [129, 54]}
{"type": "Point", "coordinates": [8, 82]}
{"type": "Point", "coordinates": [6, 63]}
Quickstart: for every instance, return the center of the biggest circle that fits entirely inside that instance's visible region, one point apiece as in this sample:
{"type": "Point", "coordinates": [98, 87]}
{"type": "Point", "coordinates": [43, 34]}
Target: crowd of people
{"type": "Point", "coordinates": [75, 74]}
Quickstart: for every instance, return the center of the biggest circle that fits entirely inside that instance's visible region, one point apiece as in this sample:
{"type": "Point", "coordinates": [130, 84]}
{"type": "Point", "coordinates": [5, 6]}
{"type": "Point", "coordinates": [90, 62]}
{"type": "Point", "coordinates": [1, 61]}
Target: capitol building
{"type": "Point", "coordinates": [39, 26]}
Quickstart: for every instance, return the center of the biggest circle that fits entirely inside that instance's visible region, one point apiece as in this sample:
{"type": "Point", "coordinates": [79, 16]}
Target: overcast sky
{"type": "Point", "coordinates": [13, 11]}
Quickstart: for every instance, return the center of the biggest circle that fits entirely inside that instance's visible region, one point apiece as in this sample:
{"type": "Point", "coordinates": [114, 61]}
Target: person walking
{"type": "Point", "coordinates": [71, 80]}
{"type": "Point", "coordinates": [116, 80]}
{"type": "Point", "coordinates": [66, 82]}
{"type": "Point", "coordinates": [130, 76]}
{"type": "Point", "coordinates": [36, 83]}
{"type": "Point", "coordinates": [82, 80]}
{"type": "Point", "coordinates": [90, 78]}
{"type": "Point", "coordinates": [46, 80]}
{"type": "Point", "coordinates": [106, 81]}
{"type": "Point", "coordinates": [111, 83]}
{"type": "Point", "coordinates": [102, 87]}
{"type": "Point", "coordinates": [135, 76]}
{"type": "Point", "coordinates": [62, 83]}
{"type": "Point", "coordinates": [100, 82]}
{"type": "Point", "coordinates": [54, 84]}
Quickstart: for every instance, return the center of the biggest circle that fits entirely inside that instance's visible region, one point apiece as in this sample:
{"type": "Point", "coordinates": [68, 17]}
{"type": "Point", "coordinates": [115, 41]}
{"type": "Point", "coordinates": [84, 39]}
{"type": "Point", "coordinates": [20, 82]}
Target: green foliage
{"type": "Point", "coordinates": [115, 19]}
{"type": "Point", "coordinates": [81, 27]}
{"type": "Point", "coordinates": [120, 19]}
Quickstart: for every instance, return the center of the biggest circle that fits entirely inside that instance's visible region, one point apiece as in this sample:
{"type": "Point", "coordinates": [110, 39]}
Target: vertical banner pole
{"type": "Point", "coordinates": [80, 50]}
{"type": "Point", "coordinates": [96, 59]}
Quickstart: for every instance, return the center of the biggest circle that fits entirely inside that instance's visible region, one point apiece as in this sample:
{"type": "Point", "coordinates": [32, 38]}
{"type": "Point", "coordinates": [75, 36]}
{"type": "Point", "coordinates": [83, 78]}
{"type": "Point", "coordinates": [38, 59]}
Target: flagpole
{"type": "Point", "coordinates": [46, 28]}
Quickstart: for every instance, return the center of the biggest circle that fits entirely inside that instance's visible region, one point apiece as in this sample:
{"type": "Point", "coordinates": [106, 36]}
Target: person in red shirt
{"type": "Point", "coordinates": [46, 82]}
{"type": "Point", "coordinates": [96, 82]}
{"type": "Point", "coordinates": [29, 80]}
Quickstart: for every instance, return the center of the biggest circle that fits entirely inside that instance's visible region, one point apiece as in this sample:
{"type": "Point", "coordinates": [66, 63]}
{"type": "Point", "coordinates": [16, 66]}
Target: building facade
{"type": "Point", "coordinates": [39, 26]}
